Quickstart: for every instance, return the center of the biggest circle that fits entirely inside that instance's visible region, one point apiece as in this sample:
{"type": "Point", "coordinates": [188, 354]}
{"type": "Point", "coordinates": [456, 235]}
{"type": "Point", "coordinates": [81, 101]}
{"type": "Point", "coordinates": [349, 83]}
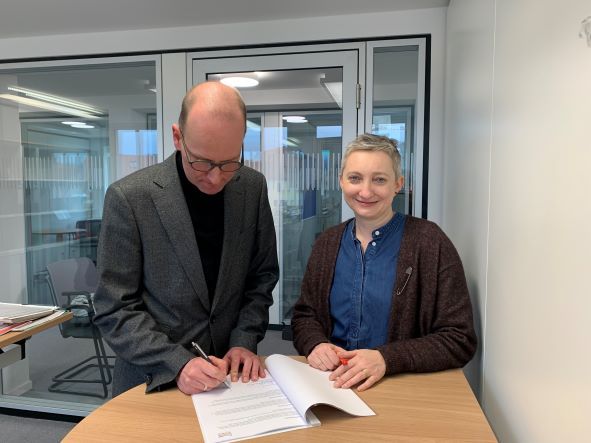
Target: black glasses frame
{"type": "Point", "coordinates": [233, 164]}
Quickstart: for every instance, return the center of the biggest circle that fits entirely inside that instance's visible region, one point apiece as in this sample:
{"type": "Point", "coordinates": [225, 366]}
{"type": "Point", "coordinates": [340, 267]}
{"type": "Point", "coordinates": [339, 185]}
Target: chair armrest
{"type": "Point", "coordinates": [86, 305]}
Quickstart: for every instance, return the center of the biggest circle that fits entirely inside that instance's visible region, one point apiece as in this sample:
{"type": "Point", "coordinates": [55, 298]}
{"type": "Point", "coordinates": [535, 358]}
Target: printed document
{"type": "Point", "coordinates": [278, 403]}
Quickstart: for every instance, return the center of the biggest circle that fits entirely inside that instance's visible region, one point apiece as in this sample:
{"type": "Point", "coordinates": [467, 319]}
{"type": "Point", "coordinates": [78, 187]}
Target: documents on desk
{"type": "Point", "coordinates": [278, 403]}
{"type": "Point", "coordinates": [29, 324]}
{"type": "Point", "coordinates": [17, 313]}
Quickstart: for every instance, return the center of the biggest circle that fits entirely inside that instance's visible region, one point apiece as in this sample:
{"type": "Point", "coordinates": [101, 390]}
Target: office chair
{"type": "Point", "coordinates": [72, 284]}
{"type": "Point", "coordinates": [88, 237]}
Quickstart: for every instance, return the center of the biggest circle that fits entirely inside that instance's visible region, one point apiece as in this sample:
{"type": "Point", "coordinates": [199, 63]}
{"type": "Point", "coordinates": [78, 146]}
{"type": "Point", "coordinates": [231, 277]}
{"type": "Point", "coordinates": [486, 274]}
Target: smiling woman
{"type": "Point", "coordinates": [380, 266]}
{"type": "Point", "coordinates": [370, 179]}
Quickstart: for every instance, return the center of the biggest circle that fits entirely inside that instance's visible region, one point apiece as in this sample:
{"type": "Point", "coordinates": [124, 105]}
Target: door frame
{"type": "Point", "coordinates": [345, 56]}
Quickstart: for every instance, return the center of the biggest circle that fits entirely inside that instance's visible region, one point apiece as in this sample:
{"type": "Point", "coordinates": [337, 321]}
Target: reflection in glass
{"type": "Point", "coordinates": [294, 137]}
{"type": "Point", "coordinates": [66, 133]}
{"type": "Point", "coordinates": [394, 101]}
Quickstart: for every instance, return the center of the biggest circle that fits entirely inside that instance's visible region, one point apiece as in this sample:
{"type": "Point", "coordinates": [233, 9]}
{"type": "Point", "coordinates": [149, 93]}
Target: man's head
{"type": "Point", "coordinates": [211, 127]}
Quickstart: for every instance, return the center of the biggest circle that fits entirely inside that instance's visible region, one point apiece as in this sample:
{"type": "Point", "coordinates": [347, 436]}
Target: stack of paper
{"type": "Point", "coordinates": [17, 313]}
{"type": "Point", "coordinates": [5, 327]}
{"type": "Point", "coordinates": [33, 323]}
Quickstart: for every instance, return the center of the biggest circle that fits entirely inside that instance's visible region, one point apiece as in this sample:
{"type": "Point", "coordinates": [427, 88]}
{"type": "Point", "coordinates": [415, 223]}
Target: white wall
{"type": "Point", "coordinates": [423, 21]}
{"type": "Point", "coordinates": [468, 97]}
{"type": "Point", "coordinates": [535, 288]}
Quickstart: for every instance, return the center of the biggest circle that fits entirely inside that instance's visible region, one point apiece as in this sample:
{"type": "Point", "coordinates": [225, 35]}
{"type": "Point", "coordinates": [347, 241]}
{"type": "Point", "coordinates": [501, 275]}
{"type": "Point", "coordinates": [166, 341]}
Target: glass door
{"type": "Point", "coordinates": [302, 110]}
{"type": "Point", "coordinates": [395, 107]}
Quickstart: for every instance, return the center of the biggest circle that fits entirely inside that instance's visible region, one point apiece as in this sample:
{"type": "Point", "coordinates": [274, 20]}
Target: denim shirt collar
{"type": "Point", "coordinates": [392, 226]}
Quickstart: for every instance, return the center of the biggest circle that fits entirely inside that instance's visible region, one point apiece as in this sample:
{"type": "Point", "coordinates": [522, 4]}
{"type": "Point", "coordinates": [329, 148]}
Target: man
{"type": "Point", "coordinates": [188, 253]}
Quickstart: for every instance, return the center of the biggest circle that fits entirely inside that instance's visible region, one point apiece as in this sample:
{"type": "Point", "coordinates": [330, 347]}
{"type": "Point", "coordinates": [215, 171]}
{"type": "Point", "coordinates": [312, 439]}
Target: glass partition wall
{"type": "Point", "coordinates": [67, 131]}
{"type": "Point", "coordinates": [70, 128]}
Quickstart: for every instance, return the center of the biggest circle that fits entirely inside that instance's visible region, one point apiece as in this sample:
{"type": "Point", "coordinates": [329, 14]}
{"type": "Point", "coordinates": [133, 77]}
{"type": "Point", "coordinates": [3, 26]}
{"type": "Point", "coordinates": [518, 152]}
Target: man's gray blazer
{"type": "Point", "coordinates": [152, 299]}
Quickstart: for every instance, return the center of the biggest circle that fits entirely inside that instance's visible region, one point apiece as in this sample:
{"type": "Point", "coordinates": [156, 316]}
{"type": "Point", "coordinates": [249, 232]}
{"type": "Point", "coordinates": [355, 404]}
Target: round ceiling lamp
{"type": "Point", "coordinates": [239, 82]}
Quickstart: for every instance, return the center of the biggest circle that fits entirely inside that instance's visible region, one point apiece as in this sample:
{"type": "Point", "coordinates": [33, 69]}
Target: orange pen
{"type": "Point", "coordinates": [344, 361]}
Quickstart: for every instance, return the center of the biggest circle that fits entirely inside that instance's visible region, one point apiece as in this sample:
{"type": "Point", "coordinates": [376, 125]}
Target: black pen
{"type": "Point", "coordinates": [204, 355]}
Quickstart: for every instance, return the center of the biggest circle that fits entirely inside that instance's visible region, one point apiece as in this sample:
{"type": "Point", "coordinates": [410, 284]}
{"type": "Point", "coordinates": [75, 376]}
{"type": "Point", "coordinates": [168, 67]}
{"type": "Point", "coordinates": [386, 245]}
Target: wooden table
{"type": "Point", "coordinates": [410, 408]}
{"type": "Point", "coordinates": [19, 338]}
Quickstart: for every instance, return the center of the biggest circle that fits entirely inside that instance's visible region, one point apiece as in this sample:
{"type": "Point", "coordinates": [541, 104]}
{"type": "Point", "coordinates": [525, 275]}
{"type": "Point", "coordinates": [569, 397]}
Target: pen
{"type": "Point", "coordinates": [204, 355]}
{"type": "Point", "coordinates": [344, 361]}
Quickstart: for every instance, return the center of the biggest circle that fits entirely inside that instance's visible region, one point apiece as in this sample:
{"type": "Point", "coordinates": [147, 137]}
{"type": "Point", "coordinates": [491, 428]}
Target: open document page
{"type": "Point", "coordinates": [278, 403]}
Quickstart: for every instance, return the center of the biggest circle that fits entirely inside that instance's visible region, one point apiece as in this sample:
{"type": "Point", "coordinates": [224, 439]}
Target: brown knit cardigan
{"type": "Point", "coordinates": [431, 326]}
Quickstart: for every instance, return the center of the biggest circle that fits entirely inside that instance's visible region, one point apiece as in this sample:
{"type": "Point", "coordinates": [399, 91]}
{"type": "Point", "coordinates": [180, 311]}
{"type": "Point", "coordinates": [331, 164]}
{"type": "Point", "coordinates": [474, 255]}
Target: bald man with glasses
{"type": "Point", "coordinates": [187, 253]}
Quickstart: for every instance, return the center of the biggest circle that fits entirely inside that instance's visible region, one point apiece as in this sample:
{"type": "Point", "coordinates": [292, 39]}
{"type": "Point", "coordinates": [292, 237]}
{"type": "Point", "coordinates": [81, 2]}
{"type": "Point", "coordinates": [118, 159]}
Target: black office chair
{"type": "Point", "coordinates": [72, 284]}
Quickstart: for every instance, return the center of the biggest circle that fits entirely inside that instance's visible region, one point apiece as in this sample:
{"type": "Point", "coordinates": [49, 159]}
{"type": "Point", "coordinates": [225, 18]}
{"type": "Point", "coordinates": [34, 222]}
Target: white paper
{"type": "Point", "coordinates": [278, 403]}
{"type": "Point", "coordinates": [307, 387]}
{"type": "Point", "coordinates": [39, 321]}
{"type": "Point", "coordinates": [247, 410]}
{"type": "Point", "coordinates": [17, 313]}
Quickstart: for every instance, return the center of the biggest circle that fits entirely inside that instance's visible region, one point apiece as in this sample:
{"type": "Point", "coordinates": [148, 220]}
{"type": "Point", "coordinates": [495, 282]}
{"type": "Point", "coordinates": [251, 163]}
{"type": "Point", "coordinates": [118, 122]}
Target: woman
{"type": "Point", "coordinates": [383, 293]}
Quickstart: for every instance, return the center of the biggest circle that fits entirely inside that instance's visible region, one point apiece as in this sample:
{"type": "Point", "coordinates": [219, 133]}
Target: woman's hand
{"type": "Point", "coordinates": [364, 366]}
{"type": "Point", "coordinates": [324, 356]}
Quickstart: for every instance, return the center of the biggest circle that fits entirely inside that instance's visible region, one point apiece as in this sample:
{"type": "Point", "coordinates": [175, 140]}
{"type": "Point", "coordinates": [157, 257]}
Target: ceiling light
{"type": "Point", "coordinates": [47, 106]}
{"type": "Point", "coordinates": [295, 119]}
{"type": "Point", "coordinates": [56, 99]}
{"type": "Point", "coordinates": [239, 82]}
{"type": "Point", "coordinates": [80, 125]}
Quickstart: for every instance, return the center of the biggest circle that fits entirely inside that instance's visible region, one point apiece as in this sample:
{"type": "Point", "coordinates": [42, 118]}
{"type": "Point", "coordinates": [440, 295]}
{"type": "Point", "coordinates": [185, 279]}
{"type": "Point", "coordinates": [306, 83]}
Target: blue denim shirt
{"type": "Point", "coordinates": [361, 293]}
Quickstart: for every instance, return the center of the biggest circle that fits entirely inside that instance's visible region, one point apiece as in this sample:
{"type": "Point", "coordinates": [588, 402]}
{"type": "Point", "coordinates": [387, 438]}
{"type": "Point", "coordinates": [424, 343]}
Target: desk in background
{"type": "Point", "coordinates": [61, 234]}
{"type": "Point", "coordinates": [19, 338]}
{"type": "Point", "coordinates": [411, 408]}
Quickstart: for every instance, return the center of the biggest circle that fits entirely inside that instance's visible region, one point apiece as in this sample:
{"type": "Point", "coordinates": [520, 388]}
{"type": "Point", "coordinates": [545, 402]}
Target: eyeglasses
{"type": "Point", "coordinates": [208, 165]}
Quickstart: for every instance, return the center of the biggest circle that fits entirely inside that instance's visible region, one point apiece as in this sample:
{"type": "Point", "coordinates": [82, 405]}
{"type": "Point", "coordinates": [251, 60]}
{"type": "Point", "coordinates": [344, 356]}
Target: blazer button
{"type": "Point", "coordinates": [213, 320]}
{"type": "Point", "coordinates": [148, 379]}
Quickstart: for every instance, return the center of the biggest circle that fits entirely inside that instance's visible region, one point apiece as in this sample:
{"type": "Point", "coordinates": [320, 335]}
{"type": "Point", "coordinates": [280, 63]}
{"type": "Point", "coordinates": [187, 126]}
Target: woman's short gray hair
{"type": "Point", "coordinates": [375, 143]}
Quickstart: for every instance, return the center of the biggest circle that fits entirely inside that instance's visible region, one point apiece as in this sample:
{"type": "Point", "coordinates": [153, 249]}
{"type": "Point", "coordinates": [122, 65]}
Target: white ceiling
{"type": "Point", "coordinates": [22, 18]}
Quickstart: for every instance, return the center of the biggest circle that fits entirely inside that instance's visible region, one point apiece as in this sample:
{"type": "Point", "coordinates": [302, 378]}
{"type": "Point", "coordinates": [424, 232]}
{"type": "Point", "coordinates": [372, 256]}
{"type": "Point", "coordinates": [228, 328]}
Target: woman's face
{"type": "Point", "coordinates": [369, 185]}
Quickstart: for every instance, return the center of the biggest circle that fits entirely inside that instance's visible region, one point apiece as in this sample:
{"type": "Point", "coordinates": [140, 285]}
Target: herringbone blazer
{"type": "Point", "coordinates": [152, 299]}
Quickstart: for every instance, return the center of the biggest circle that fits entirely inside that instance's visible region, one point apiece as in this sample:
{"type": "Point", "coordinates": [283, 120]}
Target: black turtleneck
{"type": "Point", "coordinates": [207, 215]}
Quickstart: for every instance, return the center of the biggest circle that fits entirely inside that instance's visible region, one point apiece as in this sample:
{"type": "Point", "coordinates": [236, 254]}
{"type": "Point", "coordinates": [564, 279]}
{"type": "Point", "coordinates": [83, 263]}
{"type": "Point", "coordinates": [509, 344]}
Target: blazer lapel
{"type": "Point", "coordinates": [172, 208]}
{"type": "Point", "coordinates": [233, 227]}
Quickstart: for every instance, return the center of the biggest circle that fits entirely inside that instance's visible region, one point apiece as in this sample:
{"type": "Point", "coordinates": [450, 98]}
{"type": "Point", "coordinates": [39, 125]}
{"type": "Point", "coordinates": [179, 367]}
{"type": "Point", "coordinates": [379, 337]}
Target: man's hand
{"type": "Point", "coordinates": [252, 369]}
{"type": "Point", "coordinates": [364, 365]}
{"type": "Point", "coordinates": [199, 376]}
{"type": "Point", "coordinates": [324, 356]}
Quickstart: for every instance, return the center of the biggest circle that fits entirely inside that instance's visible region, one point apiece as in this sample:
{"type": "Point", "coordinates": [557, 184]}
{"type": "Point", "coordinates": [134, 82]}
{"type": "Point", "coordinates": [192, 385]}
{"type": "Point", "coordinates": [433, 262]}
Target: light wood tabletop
{"type": "Point", "coordinates": [432, 407]}
{"type": "Point", "coordinates": [13, 337]}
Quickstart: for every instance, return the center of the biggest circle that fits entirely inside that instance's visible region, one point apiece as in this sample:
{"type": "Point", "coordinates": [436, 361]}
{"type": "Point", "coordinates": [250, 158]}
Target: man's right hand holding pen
{"type": "Point", "coordinates": [204, 372]}
{"type": "Point", "coordinates": [200, 376]}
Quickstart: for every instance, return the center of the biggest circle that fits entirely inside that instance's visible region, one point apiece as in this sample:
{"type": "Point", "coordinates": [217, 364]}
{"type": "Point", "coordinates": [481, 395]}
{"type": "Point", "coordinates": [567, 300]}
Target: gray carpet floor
{"type": "Point", "coordinates": [16, 429]}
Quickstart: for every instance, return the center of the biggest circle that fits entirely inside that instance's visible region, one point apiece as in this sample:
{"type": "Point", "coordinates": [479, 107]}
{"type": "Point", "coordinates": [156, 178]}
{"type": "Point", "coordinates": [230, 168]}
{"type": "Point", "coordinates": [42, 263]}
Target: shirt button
{"type": "Point", "coordinates": [377, 232]}
{"type": "Point", "coordinates": [373, 243]}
